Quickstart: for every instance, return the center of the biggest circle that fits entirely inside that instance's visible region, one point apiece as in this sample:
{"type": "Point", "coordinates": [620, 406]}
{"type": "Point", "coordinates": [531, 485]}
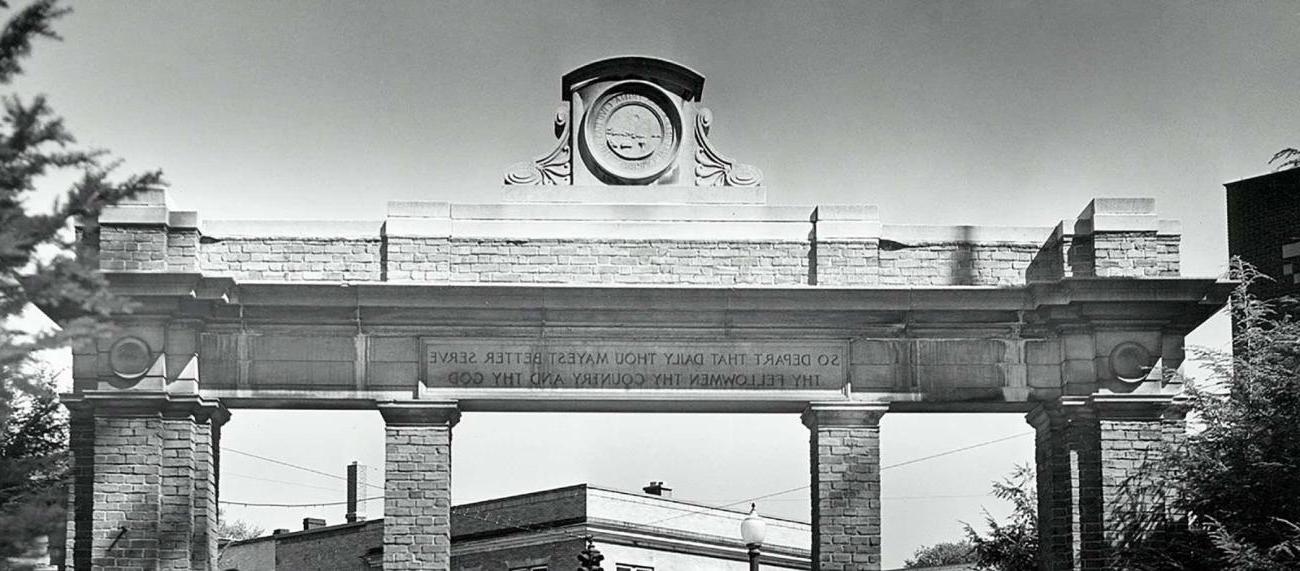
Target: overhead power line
{"type": "Point", "coordinates": [294, 466]}
{"type": "Point", "coordinates": [684, 514]}
{"type": "Point", "coordinates": [315, 505]}
{"type": "Point", "coordinates": [296, 484]}
{"type": "Point", "coordinates": [882, 469]}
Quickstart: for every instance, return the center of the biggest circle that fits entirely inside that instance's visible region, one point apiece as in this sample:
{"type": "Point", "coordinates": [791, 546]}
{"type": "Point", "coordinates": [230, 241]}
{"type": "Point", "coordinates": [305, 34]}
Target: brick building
{"type": "Point", "coordinates": [1264, 229]}
{"type": "Point", "coordinates": [544, 531]}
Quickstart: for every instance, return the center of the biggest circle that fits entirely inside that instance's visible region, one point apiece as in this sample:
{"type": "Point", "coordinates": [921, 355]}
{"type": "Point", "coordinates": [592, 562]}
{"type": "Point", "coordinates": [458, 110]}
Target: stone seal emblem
{"type": "Point", "coordinates": [632, 132]}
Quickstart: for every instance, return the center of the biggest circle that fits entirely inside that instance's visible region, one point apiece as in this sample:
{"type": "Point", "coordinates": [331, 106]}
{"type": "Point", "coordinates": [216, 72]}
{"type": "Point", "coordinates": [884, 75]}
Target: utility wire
{"type": "Point", "coordinates": [956, 450]}
{"type": "Point", "coordinates": [294, 466]}
{"type": "Point", "coordinates": [883, 468]}
{"type": "Point", "coordinates": [684, 514]}
{"type": "Point", "coordinates": [298, 484]}
{"type": "Point", "coordinates": [316, 505]}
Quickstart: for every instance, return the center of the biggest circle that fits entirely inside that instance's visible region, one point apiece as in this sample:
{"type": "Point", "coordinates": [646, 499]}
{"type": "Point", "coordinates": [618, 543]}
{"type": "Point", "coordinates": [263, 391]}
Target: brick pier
{"type": "Point", "coordinates": [844, 451]}
{"type": "Point", "coordinates": [417, 485]}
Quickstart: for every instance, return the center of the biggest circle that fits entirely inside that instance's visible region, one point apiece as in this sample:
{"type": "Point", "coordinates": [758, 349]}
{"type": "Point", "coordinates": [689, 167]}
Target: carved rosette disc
{"type": "Point", "coordinates": [632, 132]}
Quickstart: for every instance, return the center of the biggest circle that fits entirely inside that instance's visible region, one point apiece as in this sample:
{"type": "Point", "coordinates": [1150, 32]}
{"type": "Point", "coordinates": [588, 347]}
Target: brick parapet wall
{"type": "Point", "coordinates": [417, 259]}
{"type": "Point", "coordinates": [132, 248]}
{"type": "Point", "coordinates": [930, 256]}
{"type": "Point", "coordinates": [956, 263]}
{"type": "Point", "coordinates": [1126, 254]}
{"type": "Point", "coordinates": [845, 263]}
{"type": "Point", "coordinates": [417, 498]}
{"type": "Point", "coordinates": [292, 259]}
{"type": "Point", "coordinates": [182, 250]}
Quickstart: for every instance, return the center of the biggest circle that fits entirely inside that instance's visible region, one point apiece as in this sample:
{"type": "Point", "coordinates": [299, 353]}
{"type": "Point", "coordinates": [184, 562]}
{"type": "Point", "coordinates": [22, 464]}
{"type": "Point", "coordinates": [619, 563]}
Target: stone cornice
{"type": "Point", "coordinates": [1169, 304]}
{"type": "Point", "coordinates": [146, 404]}
{"type": "Point", "coordinates": [420, 413]}
{"type": "Point", "coordinates": [839, 414]}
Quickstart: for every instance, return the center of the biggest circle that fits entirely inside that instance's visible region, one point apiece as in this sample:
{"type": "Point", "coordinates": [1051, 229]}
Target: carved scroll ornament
{"type": "Point", "coordinates": [714, 169]}
{"type": "Point", "coordinates": [550, 169]}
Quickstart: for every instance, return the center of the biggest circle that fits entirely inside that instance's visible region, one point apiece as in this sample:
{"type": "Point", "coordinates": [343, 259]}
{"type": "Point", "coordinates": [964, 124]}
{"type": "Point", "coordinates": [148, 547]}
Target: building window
{"type": "Point", "coordinates": [1290, 257]}
{"type": "Point", "coordinates": [626, 567]}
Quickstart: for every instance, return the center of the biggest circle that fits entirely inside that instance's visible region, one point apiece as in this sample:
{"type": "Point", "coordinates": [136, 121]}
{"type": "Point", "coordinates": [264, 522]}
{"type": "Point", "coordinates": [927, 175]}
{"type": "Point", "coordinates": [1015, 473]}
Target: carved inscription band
{"type": "Point", "coordinates": [600, 364]}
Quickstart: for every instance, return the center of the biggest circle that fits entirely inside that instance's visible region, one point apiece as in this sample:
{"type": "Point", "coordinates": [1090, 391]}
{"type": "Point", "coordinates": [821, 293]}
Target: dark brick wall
{"type": "Point", "coordinates": [558, 556]}
{"type": "Point", "coordinates": [1264, 214]}
{"type": "Point", "coordinates": [342, 548]}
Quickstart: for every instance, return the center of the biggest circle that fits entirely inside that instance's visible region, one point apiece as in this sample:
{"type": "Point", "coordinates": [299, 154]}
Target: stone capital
{"type": "Point", "coordinates": [1137, 407]}
{"type": "Point", "coordinates": [844, 415]}
{"type": "Point", "coordinates": [420, 413]}
{"type": "Point", "coordinates": [1062, 411]}
{"type": "Point", "coordinates": [153, 404]}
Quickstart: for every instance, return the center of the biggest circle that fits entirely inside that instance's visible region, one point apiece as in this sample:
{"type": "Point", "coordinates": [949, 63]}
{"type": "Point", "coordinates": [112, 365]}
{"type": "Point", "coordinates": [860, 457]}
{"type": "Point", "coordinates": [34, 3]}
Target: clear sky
{"type": "Point", "coordinates": [1014, 113]}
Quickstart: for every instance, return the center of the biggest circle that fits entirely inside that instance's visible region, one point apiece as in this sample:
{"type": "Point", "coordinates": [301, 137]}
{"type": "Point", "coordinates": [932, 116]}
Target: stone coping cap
{"type": "Point", "coordinates": [583, 194]}
{"type": "Point", "coordinates": [923, 234]}
{"type": "Point", "coordinates": [603, 212]}
{"type": "Point", "coordinates": [293, 229]}
{"type": "Point", "coordinates": [675, 77]}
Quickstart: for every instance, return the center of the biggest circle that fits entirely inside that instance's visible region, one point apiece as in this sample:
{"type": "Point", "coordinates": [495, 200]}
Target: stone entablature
{"type": "Point", "coordinates": [665, 244]}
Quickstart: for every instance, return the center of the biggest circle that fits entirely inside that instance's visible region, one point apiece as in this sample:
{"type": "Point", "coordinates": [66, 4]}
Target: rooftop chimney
{"type": "Point", "coordinates": [356, 483]}
{"type": "Point", "coordinates": [658, 489]}
{"type": "Point", "coordinates": [312, 523]}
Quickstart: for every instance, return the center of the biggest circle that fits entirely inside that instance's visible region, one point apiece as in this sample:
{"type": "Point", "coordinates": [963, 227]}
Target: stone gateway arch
{"type": "Point", "coordinates": [633, 267]}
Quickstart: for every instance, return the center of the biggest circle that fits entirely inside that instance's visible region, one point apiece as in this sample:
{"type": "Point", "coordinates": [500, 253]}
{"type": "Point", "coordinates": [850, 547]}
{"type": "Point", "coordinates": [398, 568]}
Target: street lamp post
{"type": "Point", "coordinates": [753, 529]}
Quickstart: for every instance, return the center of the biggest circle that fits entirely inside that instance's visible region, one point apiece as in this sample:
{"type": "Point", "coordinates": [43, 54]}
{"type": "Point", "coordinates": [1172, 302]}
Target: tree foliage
{"type": "Point", "coordinates": [1013, 545]}
{"type": "Point", "coordinates": [33, 461]}
{"type": "Point", "coordinates": [946, 553]}
{"type": "Point", "coordinates": [1286, 158]}
{"type": "Point", "coordinates": [236, 530]}
{"type": "Point", "coordinates": [1239, 475]}
{"type": "Point", "coordinates": [40, 266]}
{"type": "Point", "coordinates": [38, 261]}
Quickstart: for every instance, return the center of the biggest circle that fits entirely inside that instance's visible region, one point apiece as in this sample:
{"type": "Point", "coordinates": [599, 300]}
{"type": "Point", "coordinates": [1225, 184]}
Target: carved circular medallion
{"type": "Point", "coordinates": [632, 132]}
{"type": "Point", "coordinates": [1130, 362]}
{"type": "Point", "coordinates": [130, 357]}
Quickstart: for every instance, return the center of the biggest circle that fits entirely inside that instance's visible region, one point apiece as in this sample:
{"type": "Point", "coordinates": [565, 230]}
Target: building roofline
{"type": "Point", "coordinates": [703, 508]}
{"type": "Point", "coordinates": [642, 495]}
{"type": "Point", "coordinates": [302, 532]}
{"type": "Point", "coordinates": [1294, 171]}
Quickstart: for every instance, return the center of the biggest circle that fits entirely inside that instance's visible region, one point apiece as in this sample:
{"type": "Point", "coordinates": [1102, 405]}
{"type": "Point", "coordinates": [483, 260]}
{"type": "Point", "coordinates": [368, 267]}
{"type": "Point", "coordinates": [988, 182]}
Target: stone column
{"type": "Point", "coordinates": [144, 492]}
{"type": "Point", "coordinates": [417, 484]}
{"type": "Point", "coordinates": [1101, 476]}
{"type": "Point", "coordinates": [845, 461]}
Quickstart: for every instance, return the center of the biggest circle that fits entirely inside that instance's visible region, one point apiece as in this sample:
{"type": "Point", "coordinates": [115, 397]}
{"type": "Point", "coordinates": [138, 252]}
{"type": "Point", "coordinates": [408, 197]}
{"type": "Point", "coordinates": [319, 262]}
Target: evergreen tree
{"type": "Point", "coordinates": [40, 266]}
{"type": "Point", "coordinates": [33, 462]}
{"type": "Point", "coordinates": [38, 258]}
